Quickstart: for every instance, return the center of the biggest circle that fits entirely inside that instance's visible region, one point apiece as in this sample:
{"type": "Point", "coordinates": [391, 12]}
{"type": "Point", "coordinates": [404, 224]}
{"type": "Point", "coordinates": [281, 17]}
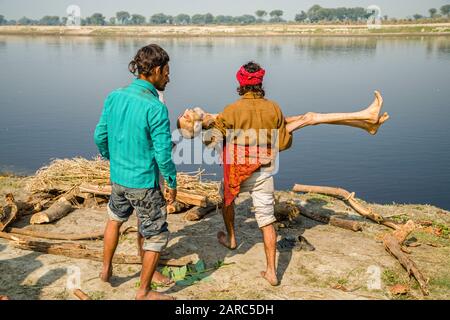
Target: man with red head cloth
{"type": "Point", "coordinates": [254, 130]}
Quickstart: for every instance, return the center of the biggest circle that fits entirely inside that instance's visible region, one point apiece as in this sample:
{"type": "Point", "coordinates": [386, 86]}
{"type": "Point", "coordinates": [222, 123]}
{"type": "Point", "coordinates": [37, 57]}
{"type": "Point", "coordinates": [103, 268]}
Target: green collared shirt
{"type": "Point", "coordinates": [134, 134]}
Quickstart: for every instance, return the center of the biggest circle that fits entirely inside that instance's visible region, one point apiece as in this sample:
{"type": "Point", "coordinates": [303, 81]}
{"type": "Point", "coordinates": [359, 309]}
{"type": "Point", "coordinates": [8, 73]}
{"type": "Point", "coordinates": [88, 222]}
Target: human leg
{"type": "Point", "coordinates": [152, 227]}
{"type": "Point", "coordinates": [270, 244]}
{"type": "Point", "coordinates": [369, 115]}
{"type": "Point", "coordinates": [262, 193]}
{"type": "Point", "coordinates": [228, 240]}
{"type": "Point", "coordinates": [119, 210]}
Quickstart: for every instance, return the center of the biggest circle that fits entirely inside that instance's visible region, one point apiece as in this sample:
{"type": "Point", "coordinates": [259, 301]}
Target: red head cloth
{"type": "Point", "coordinates": [246, 78]}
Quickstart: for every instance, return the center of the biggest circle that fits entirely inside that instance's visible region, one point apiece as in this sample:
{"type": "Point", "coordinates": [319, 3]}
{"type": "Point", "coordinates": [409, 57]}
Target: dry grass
{"type": "Point", "coordinates": [63, 175]}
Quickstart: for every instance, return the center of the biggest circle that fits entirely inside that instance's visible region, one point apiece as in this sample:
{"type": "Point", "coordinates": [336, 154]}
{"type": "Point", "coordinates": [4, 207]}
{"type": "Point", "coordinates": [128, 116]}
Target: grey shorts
{"type": "Point", "coordinates": [151, 212]}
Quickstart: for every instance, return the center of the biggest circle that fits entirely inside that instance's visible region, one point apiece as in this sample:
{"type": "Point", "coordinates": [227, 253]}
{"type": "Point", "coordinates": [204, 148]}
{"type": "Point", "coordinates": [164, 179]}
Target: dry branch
{"type": "Point", "coordinates": [393, 244]}
{"type": "Point", "coordinates": [79, 251]}
{"type": "Point", "coordinates": [345, 224]}
{"type": "Point", "coordinates": [63, 236]}
{"type": "Point", "coordinates": [333, 220]}
{"type": "Point", "coordinates": [349, 197]}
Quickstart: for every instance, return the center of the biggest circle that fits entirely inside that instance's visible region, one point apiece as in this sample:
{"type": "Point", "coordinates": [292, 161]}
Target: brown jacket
{"type": "Point", "coordinates": [255, 112]}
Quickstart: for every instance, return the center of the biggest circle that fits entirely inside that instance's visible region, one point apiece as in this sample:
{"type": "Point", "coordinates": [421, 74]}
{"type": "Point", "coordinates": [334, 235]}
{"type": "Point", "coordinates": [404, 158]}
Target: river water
{"type": "Point", "coordinates": [52, 91]}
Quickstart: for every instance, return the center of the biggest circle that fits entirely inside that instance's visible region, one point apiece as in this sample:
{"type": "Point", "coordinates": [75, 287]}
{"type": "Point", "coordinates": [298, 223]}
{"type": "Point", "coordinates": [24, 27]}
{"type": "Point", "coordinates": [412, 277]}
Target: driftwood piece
{"type": "Point", "coordinates": [81, 295]}
{"type": "Point", "coordinates": [197, 213]}
{"type": "Point", "coordinates": [9, 213]}
{"type": "Point", "coordinates": [349, 197]}
{"type": "Point", "coordinates": [63, 236]}
{"type": "Point", "coordinates": [333, 220]}
{"type": "Point", "coordinates": [56, 211]}
{"type": "Point", "coordinates": [176, 207]}
{"type": "Point", "coordinates": [393, 244]}
{"type": "Point", "coordinates": [79, 251]}
{"type": "Point", "coordinates": [345, 224]}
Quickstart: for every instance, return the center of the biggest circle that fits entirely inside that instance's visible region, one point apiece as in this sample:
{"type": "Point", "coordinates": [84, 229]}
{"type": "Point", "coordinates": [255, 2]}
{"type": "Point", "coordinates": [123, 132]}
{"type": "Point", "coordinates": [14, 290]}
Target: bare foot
{"type": "Point", "coordinates": [105, 275]}
{"type": "Point", "coordinates": [373, 128]}
{"type": "Point", "coordinates": [272, 279]}
{"type": "Point", "coordinates": [374, 109]}
{"type": "Point", "coordinates": [161, 280]}
{"type": "Point", "coordinates": [223, 240]}
{"type": "Point", "coordinates": [153, 295]}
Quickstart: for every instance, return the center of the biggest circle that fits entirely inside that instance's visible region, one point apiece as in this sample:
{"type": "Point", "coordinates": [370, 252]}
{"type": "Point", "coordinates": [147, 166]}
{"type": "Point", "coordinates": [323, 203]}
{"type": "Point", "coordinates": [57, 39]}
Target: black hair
{"type": "Point", "coordinates": [147, 58]}
{"type": "Point", "coordinates": [252, 67]}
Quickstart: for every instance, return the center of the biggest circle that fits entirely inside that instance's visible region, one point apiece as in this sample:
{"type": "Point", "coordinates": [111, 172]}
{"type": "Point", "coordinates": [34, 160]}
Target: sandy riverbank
{"type": "Point", "coordinates": [337, 269]}
{"type": "Point", "coordinates": [226, 31]}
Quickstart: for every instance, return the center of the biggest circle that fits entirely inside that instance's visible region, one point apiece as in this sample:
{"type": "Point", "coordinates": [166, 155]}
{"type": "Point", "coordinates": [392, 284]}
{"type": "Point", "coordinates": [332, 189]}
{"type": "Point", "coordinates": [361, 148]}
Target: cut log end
{"type": "Point", "coordinates": [81, 295]}
{"type": "Point", "coordinates": [56, 211]}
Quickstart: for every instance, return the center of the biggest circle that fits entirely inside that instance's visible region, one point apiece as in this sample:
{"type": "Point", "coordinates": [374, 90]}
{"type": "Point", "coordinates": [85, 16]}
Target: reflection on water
{"type": "Point", "coordinates": [52, 111]}
{"type": "Point", "coordinates": [319, 48]}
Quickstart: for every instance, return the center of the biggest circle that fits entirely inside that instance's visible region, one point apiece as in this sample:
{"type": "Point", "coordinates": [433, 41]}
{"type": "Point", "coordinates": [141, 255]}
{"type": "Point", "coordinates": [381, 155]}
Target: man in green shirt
{"type": "Point", "coordinates": [134, 134]}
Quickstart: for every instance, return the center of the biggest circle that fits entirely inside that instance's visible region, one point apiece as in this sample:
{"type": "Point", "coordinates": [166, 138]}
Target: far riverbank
{"type": "Point", "coordinates": [230, 30]}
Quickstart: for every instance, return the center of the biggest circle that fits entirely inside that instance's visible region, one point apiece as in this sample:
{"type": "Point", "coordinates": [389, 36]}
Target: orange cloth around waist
{"type": "Point", "coordinates": [239, 163]}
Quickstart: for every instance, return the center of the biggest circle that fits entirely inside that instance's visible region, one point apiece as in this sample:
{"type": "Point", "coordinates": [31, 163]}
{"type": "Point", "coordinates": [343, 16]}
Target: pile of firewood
{"type": "Point", "coordinates": [67, 183]}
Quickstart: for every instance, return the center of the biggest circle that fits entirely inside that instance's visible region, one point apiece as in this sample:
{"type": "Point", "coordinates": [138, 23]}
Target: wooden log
{"type": "Point", "coordinates": [95, 189]}
{"type": "Point", "coordinates": [79, 251]}
{"type": "Point", "coordinates": [192, 199]}
{"type": "Point", "coordinates": [333, 220]}
{"type": "Point", "coordinates": [345, 224]}
{"type": "Point", "coordinates": [184, 197]}
{"type": "Point", "coordinates": [349, 197]}
{"type": "Point", "coordinates": [57, 210]}
{"type": "Point", "coordinates": [393, 244]}
{"type": "Point", "coordinates": [81, 295]}
{"type": "Point", "coordinates": [63, 236]}
{"type": "Point", "coordinates": [9, 212]}
{"type": "Point", "coordinates": [197, 213]}
{"type": "Point", "coordinates": [8, 236]}
{"type": "Point", "coordinates": [314, 216]}
{"type": "Point", "coordinates": [176, 207]}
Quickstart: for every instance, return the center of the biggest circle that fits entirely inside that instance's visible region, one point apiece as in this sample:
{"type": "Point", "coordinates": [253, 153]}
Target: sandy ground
{"type": "Point", "coordinates": [233, 30]}
{"type": "Point", "coordinates": [342, 259]}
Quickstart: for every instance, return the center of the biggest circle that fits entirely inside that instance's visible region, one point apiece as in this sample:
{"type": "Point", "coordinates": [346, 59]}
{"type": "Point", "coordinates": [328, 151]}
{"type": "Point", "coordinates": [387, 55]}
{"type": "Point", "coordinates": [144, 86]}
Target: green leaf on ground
{"type": "Point", "coordinates": [200, 266]}
{"type": "Point", "coordinates": [165, 271]}
{"type": "Point", "coordinates": [179, 273]}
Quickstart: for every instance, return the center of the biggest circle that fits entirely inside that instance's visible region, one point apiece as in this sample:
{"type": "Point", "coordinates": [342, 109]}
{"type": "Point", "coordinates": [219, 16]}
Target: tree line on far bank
{"type": "Point", "coordinates": [315, 14]}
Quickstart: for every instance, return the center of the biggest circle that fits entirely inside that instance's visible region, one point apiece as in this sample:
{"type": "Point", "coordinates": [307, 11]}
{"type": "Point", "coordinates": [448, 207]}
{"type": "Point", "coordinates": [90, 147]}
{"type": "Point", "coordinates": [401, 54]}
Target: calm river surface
{"type": "Point", "coordinates": [52, 91]}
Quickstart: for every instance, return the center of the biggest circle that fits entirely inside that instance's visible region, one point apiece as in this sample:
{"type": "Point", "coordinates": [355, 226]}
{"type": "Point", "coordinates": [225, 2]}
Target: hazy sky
{"type": "Point", "coordinates": [14, 9]}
